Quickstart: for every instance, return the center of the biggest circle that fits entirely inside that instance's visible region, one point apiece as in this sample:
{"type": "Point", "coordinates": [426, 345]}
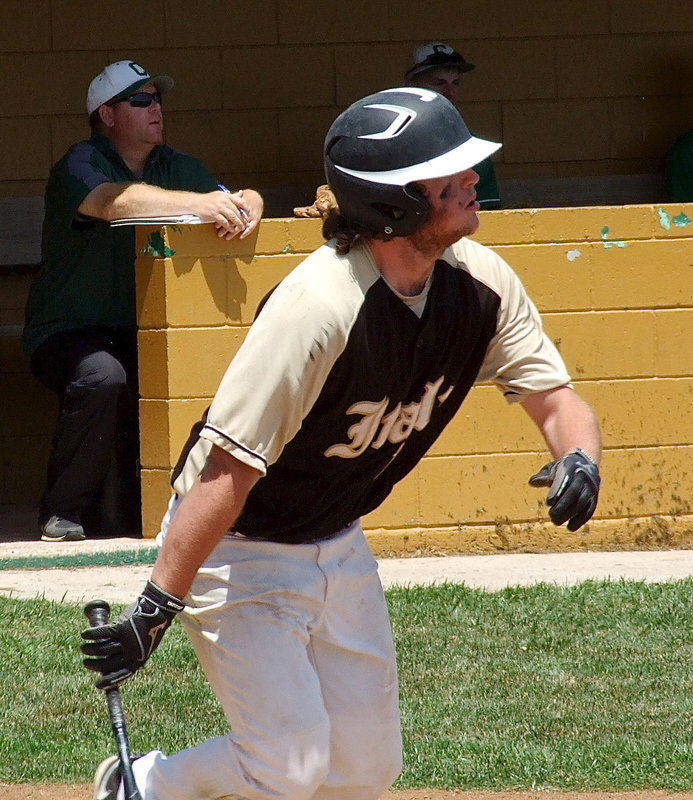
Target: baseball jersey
{"type": "Point", "coordinates": [341, 386]}
{"type": "Point", "coordinates": [87, 274]}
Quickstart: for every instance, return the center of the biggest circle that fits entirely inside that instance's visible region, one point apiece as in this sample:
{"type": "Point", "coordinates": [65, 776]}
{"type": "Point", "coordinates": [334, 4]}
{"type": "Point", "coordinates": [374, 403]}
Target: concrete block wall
{"type": "Point", "coordinates": [615, 288]}
{"type": "Point", "coordinates": [593, 88]}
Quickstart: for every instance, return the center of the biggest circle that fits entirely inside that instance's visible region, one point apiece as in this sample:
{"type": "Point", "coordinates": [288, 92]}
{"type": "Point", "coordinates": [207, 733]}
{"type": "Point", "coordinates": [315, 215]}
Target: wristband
{"type": "Point", "coordinates": [162, 599]}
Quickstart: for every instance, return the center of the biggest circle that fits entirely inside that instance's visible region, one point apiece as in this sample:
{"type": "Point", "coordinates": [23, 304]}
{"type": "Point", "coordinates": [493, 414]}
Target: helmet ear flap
{"type": "Point", "coordinates": [378, 207]}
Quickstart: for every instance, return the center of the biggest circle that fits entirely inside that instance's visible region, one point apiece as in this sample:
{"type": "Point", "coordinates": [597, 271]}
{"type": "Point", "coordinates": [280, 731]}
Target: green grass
{"type": "Point", "coordinates": [116, 558]}
{"type": "Point", "coordinates": [587, 687]}
{"type": "Point", "coordinates": [573, 688]}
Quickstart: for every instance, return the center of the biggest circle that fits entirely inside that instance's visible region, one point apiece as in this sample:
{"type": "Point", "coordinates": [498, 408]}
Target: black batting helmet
{"type": "Point", "coordinates": [383, 143]}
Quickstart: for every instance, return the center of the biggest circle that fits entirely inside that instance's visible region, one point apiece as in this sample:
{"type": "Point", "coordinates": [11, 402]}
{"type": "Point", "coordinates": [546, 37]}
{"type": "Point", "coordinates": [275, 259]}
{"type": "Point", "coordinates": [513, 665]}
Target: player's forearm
{"type": "Point", "coordinates": [111, 201]}
{"type": "Point", "coordinates": [205, 514]}
{"type": "Point", "coordinates": [566, 421]}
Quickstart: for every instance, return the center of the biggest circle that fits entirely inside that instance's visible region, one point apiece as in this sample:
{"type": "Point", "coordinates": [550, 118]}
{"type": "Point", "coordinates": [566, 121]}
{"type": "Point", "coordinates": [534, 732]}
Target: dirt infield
{"type": "Point", "coordinates": [81, 791]}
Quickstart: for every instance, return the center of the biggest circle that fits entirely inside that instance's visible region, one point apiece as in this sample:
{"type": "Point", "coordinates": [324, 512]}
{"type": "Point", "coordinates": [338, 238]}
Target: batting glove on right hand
{"type": "Point", "coordinates": [574, 481]}
{"type": "Point", "coordinates": [117, 650]}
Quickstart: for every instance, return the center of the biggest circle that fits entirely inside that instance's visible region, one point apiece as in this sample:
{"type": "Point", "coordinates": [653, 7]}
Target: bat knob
{"type": "Point", "coordinates": [97, 611]}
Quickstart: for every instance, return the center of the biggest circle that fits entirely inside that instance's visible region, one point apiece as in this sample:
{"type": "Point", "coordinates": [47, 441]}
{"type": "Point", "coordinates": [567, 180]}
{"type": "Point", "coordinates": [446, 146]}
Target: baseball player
{"type": "Point", "coordinates": [351, 371]}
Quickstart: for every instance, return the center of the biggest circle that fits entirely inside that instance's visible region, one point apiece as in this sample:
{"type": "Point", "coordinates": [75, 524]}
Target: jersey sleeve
{"type": "Point", "coordinates": [520, 358]}
{"type": "Point", "coordinates": [73, 178]}
{"type": "Point", "coordinates": [277, 374]}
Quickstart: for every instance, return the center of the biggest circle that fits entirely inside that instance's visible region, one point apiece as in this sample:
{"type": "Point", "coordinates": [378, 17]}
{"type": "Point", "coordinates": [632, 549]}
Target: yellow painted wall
{"type": "Point", "coordinates": [595, 87]}
{"type": "Point", "coordinates": [615, 288]}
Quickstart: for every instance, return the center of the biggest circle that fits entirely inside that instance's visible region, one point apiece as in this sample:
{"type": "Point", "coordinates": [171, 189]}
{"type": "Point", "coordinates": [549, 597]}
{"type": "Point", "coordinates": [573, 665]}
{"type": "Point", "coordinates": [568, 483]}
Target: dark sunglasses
{"type": "Point", "coordinates": [139, 99]}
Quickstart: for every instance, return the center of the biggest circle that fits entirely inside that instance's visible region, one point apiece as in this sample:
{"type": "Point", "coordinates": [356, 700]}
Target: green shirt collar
{"type": "Point", "coordinates": [105, 146]}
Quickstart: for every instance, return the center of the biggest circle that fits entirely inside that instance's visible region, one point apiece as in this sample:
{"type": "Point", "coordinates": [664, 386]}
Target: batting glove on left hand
{"type": "Point", "coordinates": [574, 481]}
{"type": "Point", "coordinates": [117, 650]}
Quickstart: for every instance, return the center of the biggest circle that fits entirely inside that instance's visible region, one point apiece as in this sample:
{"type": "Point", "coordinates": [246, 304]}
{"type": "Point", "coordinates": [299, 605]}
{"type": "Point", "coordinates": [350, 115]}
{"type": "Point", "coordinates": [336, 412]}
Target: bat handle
{"type": "Point", "coordinates": [97, 611]}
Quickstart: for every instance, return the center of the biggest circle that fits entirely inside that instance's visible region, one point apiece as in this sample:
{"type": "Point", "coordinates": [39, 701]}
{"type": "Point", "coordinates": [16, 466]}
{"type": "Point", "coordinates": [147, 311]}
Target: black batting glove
{"type": "Point", "coordinates": [117, 650]}
{"type": "Point", "coordinates": [574, 481]}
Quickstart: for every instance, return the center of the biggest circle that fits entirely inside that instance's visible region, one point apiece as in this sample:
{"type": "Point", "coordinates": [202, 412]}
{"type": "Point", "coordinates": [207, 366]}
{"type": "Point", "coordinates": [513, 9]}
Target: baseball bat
{"type": "Point", "coordinates": [97, 612]}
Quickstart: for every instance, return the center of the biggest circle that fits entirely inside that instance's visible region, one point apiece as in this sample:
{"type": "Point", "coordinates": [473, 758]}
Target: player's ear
{"type": "Point", "coordinates": [107, 115]}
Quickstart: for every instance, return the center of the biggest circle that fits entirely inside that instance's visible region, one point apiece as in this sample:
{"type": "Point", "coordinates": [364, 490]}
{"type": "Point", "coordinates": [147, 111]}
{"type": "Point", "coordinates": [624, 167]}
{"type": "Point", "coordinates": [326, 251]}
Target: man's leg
{"type": "Point", "coordinates": [91, 384]}
{"type": "Point", "coordinates": [250, 613]}
{"type": "Point", "coordinates": [354, 656]}
{"type": "Point", "coordinates": [120, 499]}
{"type": "Point", "coordinates": [295, 641]}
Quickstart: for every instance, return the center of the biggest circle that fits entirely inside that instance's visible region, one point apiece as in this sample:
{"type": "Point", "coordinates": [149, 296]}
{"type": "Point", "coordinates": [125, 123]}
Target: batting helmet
{"type": "Point", "coordinates": [383, 143]}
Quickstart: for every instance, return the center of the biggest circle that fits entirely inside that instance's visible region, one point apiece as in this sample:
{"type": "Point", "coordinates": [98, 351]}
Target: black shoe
{"type": "Point", "coordinates": [61, 529]}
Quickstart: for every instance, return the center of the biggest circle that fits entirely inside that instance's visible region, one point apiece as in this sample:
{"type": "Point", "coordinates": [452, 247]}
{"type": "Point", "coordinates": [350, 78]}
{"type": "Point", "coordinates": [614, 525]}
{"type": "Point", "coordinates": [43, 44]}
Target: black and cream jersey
{"type": "Point", "coordinates": [341, 385]}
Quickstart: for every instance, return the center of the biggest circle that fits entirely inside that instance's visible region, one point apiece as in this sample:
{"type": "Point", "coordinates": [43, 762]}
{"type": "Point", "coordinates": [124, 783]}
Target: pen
{"type": "Point", "coordinates": [241, 211]}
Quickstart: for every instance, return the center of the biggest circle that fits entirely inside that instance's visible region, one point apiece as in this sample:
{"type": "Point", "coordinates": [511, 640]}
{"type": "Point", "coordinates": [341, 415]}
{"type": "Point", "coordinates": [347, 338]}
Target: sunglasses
{"type": "Point", "coordinates": [139, 99]}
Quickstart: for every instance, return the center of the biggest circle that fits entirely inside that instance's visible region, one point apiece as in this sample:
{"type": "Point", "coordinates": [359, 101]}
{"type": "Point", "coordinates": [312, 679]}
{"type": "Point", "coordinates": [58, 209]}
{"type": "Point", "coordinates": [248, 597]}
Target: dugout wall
{"type": "Point", "coordinates": [586, 96]}
{"type": "Point", "coordinates": [615, 288]}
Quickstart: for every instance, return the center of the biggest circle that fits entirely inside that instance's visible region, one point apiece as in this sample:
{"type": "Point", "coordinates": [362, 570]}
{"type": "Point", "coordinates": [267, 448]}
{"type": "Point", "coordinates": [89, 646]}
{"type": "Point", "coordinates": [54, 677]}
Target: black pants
{"type": "Point", "coordinates": [93, 468]}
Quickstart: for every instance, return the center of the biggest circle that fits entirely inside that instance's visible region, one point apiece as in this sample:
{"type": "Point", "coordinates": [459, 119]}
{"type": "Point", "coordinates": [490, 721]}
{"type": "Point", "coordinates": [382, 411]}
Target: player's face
{"type": "Point", "coordinates": [452, 215]}
{"type": "Point", "coordinates": [444, 80]}
{"type": "Point", "coordinates": [140, 124]}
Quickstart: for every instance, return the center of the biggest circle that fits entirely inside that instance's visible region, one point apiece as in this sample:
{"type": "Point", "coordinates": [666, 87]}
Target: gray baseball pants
{"type": "Point", "coordinates": [296, 643]}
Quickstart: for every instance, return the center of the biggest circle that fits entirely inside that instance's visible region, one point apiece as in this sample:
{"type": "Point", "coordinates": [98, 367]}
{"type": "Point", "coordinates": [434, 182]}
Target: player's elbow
{"type": "Point", "coordinates": [104, 202]}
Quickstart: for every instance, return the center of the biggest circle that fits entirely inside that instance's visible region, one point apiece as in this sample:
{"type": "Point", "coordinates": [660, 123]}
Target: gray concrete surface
{"type": "Point", "coordinates": [490, 572]}
{"type": "Point", "coordinates": [19, 539]}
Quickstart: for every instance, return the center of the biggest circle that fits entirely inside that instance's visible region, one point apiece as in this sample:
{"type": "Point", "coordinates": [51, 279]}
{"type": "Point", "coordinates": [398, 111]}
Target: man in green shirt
{"type": "Point", "coordinates": [80, 332]}
{"type": "Point", "coordinates": [437, 66]}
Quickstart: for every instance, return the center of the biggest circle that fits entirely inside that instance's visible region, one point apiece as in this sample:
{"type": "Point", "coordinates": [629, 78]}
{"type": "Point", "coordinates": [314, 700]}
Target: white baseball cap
{"type": "Point", "coordinates": [435, 54]}
{"type": "Point", "coordinates": [122, 78]}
